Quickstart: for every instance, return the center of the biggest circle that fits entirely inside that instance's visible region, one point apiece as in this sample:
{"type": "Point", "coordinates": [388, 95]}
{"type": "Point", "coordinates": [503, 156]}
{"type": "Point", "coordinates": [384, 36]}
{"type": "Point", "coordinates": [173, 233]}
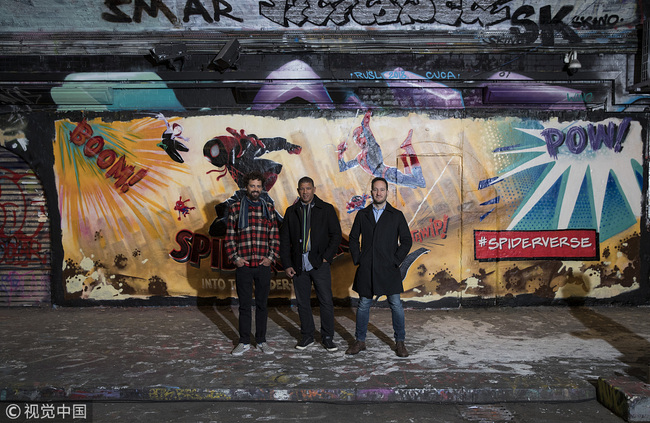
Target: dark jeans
{"type": "Point", "coordinates": [322, 280]}
{"type": "Point", "coordinates": [246, 277]}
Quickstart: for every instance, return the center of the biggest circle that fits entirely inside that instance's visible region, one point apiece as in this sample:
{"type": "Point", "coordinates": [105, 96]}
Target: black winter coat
{"type": "Point", "coordinates": [325, 235]}
{"type": "Point", "coordinates": [384, 245]}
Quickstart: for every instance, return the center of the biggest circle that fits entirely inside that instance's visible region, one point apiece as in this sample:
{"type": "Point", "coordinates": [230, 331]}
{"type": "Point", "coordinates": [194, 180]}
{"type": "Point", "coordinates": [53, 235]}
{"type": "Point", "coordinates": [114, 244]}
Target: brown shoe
{"type": "Point", "coordinates": [356, 348]}
{"type": "Point", "coordinates": [401, 349]}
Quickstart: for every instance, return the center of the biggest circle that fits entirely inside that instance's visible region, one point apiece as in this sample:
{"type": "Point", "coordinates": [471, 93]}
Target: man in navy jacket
{"type": "Point", "coordinates": [385, 243]}
{"type": "Point", "coordinates": [309, 238]}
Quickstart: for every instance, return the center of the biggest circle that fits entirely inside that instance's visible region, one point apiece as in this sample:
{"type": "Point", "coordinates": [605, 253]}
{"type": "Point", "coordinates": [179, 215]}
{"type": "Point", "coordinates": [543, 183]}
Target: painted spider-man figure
{"type": "Point", "coordinates": [238, 154]}
{"type": "Point", "coordinates": [356, 203]}
{"type": "Point", "coordinates": [170, 139]}
{"type": "Point", "coordinates": [371, 160]}
{"type": "Point", "coordinates": [182, 208]}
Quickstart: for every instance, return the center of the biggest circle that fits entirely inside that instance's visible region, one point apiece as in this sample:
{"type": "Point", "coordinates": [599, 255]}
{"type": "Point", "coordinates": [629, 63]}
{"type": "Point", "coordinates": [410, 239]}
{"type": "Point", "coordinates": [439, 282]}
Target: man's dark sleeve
{"type": "Point", "coordinates": [355, 231]}
{"type": "Point", "coordinates": [405, 240]}
{"type": "Point", "coordinates": [285, 242]}
{"type": "Point", "coordinates": [333, 233]}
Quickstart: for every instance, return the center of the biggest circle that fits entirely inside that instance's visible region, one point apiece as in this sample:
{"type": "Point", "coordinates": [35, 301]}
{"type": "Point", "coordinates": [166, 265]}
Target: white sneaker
{"type": "Point", "coordinates": [240, 349]}
{"type": "Point", "coordinates": [265, 348]}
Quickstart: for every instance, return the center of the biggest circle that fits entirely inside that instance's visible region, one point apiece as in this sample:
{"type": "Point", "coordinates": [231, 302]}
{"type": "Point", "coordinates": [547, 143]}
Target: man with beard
{"type": "Point", "coordinates": [252, 244]}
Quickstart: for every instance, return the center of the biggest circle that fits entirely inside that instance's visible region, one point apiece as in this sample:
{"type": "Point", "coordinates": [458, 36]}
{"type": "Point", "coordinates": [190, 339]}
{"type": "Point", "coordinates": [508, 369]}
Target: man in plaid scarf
{"type": "Point", "coordinates": [252, 244]}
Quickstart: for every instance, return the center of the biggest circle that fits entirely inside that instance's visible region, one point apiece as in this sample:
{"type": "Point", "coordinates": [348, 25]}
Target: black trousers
{"type": "Point", "coordinates": [322, 280]}
{"type": "Point", "coordinates": [246, 278]}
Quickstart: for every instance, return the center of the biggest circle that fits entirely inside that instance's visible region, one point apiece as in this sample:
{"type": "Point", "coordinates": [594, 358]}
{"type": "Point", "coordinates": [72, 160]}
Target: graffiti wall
{"type": "Point", "coordinates": [498, 207]}
{"type": "Point", "coordinates": [24, 231]}
{"type": "Point", "coordinates": [512, 22]}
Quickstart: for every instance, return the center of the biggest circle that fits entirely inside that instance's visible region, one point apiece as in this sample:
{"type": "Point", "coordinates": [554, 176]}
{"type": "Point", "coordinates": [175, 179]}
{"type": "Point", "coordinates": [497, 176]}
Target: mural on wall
{"type": "Point", "coordinates": [295, 82]}
{"type": "Point", "coordinates": [572, 191]}
{"type": "Point", "coordinates": [490, 202]}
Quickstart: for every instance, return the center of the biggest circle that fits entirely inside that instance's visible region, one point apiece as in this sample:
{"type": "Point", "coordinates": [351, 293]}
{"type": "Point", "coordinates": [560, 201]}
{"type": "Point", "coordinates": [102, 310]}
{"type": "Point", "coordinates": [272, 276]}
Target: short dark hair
{"type": "Point", "coordinates": [254, 176]}
{"type": "Point", "coordinates": [378, 178]}
{"type": "Point", "coordinates": [305, 179]}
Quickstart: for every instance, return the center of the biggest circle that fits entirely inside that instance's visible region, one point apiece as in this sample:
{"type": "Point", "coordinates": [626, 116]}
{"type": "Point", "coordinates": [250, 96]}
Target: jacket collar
{"type": "Point", "coordinates": [370, 215]}
{"type": "Point", "coordinates": [318, 203]}
{"type": "Point", "coordinates": [388, 208]}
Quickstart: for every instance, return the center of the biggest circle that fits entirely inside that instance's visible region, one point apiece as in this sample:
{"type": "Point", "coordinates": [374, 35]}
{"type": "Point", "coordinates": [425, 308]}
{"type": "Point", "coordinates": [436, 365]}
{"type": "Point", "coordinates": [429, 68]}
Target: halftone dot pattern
{"type": "Point", "coordinates": [518, 144]}
{"type": "Point", "coordinates": [638, 171]}
{"type": "Point", "coordinates": [542, 215]}
{"type": "Point", "coordinates": [516, 189]}
{"type": "Point", "coordinates": [519, 140]}
{"type": "Point", "coordinates": [617, 214]}
{"type": "Point", "coordinates": [513, 190]}
{"type": "Point", "coordinates": [584, 215]}
{"type": "Point", "coordinates": [495, 140]}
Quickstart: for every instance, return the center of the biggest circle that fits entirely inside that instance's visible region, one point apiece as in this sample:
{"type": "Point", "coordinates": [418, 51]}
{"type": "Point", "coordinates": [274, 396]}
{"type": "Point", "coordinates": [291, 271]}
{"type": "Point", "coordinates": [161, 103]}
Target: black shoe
{"type": "Point", "coordinates": [330, 345]}
{"type": "Point", "coordinates": [304, 343]}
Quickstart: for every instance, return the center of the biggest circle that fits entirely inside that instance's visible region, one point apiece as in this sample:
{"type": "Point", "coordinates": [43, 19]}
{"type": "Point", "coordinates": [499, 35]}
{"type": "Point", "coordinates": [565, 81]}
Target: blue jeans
{"type": "Point", "coordinates": [363, 316]}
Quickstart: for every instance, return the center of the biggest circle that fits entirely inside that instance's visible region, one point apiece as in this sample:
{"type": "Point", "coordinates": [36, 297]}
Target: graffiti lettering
{"type": "Point", "coordinates": [580, 97]}
{"type": "Point", "coordinates": [366, 75]}
{"type": "Point", "coordinates": [192, 7]}
{"type": "Point", "coordinates": [280, 284]}
{"type": "Point", "coordinates": [452, 13]}
{"type": "Point", "coordinates": [515, 245]}
{"type": "Point", "coordinates": [82, 135]}
{"type": "Point", "coordinates": [593, 22]}
{"type": "Point", "coordinates": [216, 284]}
{"type": "Point", "coordinates": [21, 251]}
{"type": "Point", "coordinates": [576, 137]}
{"type": "Point", "coordinates": [530, 30]}
{"type": "Point", "coordinates": [20, 240]}
{"type": "Point", "coordinates": [505, 40]}
{"type": "Point", "coordinates": [12, 285]}
{"type": "Point", "coordinates": [194, 247]}
{"type": "Point", "coordinates": [402, 75]}
{"type": "Point", "coordinates": [384, 12]}
{"type": "Point", "coordinates": [436, 228]}
{"type": "Point", "coordinates": [552, 242]}
{"type": "Point", "coordinates": [118, 16]}
{"type": "Point", "coordinates": [441, 75]}
{"type": "Point", "coordinates": [548, 26]}
{"type": "Point", "coordinates": [379, 12]}
{"type": "Point", "coordinates": [396, 75]}
{"type": "Point", "coordinates": [219, 284]}
{"type": "Point", "coordinates": [152, 10]}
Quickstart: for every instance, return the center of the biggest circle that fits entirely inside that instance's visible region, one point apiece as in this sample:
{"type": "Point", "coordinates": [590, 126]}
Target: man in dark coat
{"type": "Point", "coordinates": [309, 238]}
{"type": "Point", "coordinates": [385, 243]}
